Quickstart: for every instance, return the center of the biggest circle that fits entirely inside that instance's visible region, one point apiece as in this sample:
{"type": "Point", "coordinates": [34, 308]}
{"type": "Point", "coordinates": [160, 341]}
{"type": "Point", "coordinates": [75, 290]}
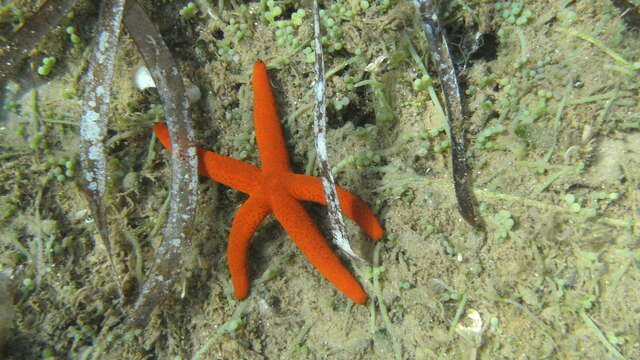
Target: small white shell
{"type": "Point", "coordinates": [475, 323]}
{"type": "Point", "coordinates": [142, 78]}
{"type": "Point", "coordinates": [376, 64]}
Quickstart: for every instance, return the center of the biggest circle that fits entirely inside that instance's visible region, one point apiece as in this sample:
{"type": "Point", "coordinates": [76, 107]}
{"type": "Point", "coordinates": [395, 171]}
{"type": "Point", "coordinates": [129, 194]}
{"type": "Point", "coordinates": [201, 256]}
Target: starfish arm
{"type": "Point", "coordinates": [307, 237]}
{"type": "Point", "coordinates": [271, 145]}
{"type": "Point", "coordinates": [225, 170]}
{"type": "Point", "coordinates": [309, 188]}
{"type": "Point", "coordinates": [230, 172]}
{"type": "Point", "coordinates": [247, 219]}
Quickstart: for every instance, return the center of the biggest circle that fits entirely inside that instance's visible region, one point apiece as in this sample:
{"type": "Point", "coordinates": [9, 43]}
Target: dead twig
{"type": "Point", "coordinates": [95, 114]}
{"type": "Point", "coordinates": [439, 51]}
{"type": "Point", "coordinates": [336, 220]}
{"type": "Point", "coordinates": [168, 262]}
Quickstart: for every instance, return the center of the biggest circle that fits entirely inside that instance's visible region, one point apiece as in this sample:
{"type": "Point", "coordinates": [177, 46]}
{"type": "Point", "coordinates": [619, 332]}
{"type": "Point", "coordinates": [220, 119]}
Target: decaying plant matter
{"type": "Point", "coordinates": [96, 107]}
{"type": "Point", "coordinates": [336, 220]}
{"type": "Point", "coordinates": [184, 177]}
{"type": "Point", "coordinates": [439, 51]}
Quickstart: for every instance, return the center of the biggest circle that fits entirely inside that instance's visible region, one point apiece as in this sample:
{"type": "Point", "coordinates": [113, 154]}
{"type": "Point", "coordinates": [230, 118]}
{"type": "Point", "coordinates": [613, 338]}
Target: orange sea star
{"type": "Point", "coordinates": [276, 189]}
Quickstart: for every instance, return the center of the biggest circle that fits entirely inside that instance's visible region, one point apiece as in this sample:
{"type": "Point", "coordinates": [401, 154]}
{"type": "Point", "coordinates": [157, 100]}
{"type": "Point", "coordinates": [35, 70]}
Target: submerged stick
{"type": "Point", "coordinates": [336, 220]}
{"type": "Point", "coordinates": [168, 262]}
{"type": "Point", "coordinates": [27, 37]}
{"type": "Point", "coordinates": [439, 50]}
{"type": "Point", "coordinates": [95, 114]}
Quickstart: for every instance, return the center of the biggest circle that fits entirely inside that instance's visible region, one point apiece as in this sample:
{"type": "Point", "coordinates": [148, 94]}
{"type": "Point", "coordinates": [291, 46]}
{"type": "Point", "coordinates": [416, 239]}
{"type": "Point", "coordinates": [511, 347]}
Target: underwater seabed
{"type": "Point", "coordinates": [551, 95]}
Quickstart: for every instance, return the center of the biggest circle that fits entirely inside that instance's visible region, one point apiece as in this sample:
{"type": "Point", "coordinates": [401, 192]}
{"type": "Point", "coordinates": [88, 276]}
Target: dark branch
{"type": "Point", "coordinates": [168, 262]}
{"type": "Point", "coordinates": [441, 57]}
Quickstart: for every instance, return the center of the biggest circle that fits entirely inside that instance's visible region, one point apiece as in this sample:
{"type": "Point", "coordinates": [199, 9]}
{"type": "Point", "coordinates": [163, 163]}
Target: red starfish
{"type": "Point", "coordinates": [276, 189]}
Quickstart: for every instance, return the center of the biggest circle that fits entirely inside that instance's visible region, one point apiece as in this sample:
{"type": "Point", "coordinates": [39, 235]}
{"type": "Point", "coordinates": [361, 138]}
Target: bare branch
{"type": "Point", "coordinates": [95, 114]}
{"type": "Point", "coordinates": [168, 262]}
{"type": "Point", "coordinates": [320, 129]}
{"type": "Point", "coordinates": [441, 57]}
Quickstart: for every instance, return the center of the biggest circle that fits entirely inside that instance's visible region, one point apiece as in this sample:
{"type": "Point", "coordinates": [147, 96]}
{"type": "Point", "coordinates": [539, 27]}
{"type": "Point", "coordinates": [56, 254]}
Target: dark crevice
{"type": "Point", "coordinates": [630, 12]}
{"type": "Point", "coordinates": [356, 112]}
{"type": "Point", "coordinates": [487, 48]}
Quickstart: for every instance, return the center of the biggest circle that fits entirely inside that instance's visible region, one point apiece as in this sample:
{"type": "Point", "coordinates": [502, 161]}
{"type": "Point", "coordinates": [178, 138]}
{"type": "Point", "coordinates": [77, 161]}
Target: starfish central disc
{"type": "Point", "coordinates": [271, 183]}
